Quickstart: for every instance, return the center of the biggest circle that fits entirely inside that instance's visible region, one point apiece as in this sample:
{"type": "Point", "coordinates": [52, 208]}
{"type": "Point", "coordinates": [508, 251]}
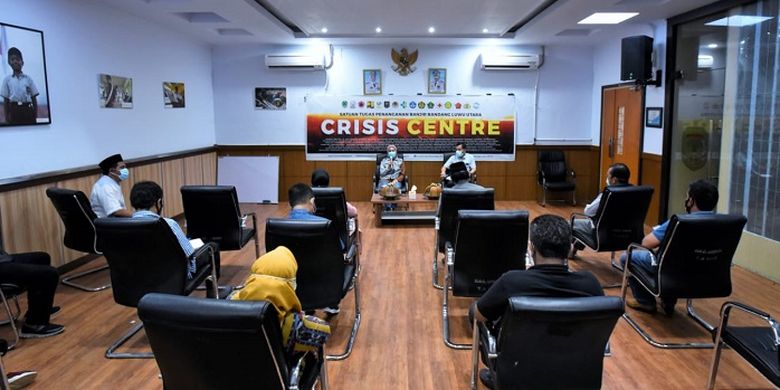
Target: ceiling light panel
{"type": "Point", "coordinates": [608, 17]}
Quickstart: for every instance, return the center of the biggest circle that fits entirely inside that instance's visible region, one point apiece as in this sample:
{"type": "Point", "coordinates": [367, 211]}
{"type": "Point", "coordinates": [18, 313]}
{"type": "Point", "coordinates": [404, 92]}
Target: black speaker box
{"type": "Point", "coordinates": [636, 58]}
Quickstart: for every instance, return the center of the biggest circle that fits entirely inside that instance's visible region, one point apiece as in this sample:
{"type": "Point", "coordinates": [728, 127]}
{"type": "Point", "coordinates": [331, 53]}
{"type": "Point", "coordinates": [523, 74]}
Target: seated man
{"type": "Point", "coordinates": [460, 156]}
{"type": "Point", "coordinates": [301, 199]}
{"type": "Point", "coordinates": [702, 199]}
{"type": "Point", "coordinates": [391, 169]}
{"type": "Point", "coordinates": [146, 195]}
{"type": "Point", "coordinates": [550, 240]}
{"type": "Point", "coordinates": [33, 272]}
{"type": "Point", "coordinates": [617, 176]}
{"type": "Point", "coordinates": [460, 177]}
{"type": "Point", "coordinates": [320, 178]}
{"type": "Point", "coordinates": [106, 198]}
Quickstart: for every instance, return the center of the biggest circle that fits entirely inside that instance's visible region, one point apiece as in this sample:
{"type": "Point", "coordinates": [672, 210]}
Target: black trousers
{"type": "Point", "coordinates": [33, 272]}
{"type": "Point", "coordinates": [21, 114]}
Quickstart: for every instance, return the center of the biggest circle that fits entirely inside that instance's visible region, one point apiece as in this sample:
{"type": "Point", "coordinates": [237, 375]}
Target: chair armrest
{"type": "Point", "coordinates": [436, 223]}
{"type": "Point", "coordinates": [726, 309]}
{"type": "Point", "coordinates": [254, 218]}
{"type": "Point", "coordinates": [297, 371]}
{"type": "Point", "coordinates": [450, 253]}
{"type": "Point", "coordinates": [209, 249]}
{"type": "Point", "coordinates": [578, 216]}
{"type": "Point", "coordinates": [490, 348]}
{"type": "Point", "coordinates": [351, 253]}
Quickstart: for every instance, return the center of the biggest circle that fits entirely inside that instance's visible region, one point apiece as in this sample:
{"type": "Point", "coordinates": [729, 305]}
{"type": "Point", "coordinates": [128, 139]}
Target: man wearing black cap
{"type": "Point", "coordinates": [107, 199]}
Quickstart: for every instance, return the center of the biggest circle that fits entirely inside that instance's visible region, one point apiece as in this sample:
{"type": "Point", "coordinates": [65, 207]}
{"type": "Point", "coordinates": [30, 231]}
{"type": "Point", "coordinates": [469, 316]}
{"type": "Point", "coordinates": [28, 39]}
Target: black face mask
{"type": "Point", "coordinates": [688, 205]}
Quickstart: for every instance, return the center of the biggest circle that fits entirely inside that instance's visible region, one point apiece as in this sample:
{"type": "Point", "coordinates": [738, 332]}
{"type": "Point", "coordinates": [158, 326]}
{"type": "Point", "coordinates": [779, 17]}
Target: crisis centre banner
{"type": "Point", "coordinates": [343, 127]}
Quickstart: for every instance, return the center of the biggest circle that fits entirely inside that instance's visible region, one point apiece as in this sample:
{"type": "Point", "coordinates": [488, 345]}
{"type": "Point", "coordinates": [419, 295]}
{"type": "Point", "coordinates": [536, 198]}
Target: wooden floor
{"type": "Point", "coordinates": [399, 345]}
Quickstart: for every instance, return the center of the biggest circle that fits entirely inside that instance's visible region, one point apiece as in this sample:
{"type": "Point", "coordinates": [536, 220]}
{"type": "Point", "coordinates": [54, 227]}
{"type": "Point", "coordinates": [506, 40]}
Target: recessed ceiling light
{"type": "Point", "coordinates": [485, 31]}
{"type": "Point", "coordinates": [608, 17]}
{"type": "Point", "coordinates": [378, 30]}
{"type": "Point", "coordinates": [713, 45]}
{"type": "Point", "coordinates": [324, 30]}
{"type": "Point", "coordinates": [738, 21]}
{"type": "Point", "coordinates": [431, 30]}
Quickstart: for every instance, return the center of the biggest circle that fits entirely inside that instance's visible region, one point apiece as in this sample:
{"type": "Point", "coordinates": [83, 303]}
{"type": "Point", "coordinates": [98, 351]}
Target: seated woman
{"type": "Point", "coordinates": [272, 279]}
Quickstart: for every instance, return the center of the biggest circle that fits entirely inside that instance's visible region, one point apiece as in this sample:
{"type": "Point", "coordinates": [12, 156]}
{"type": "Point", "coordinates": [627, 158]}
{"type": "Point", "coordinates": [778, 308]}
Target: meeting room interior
{"type": "Point", "coordinates": [497, 194]}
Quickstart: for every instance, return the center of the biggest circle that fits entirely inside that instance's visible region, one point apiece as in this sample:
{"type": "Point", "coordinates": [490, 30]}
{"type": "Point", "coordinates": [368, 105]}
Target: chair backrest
{"type": "Point", "coordinates": [553, 164]}
{"type": "Point", "coordinates": [331, 204]}
{"type": "Point", "coordinates": [321, 268]}
{"type": "Point", "coordinates": [555, 343]}
{"type": "Point", "coordinates": [213, 215]}
{"type": "Point", "coordinates": [487, 244]}
{"type": "Point", "coordinates": [620, 218]}
{"type": "Point", "coordinates": [696, 253]}
{"type": "Point", "coordinates": [77, 216]}
{"type": "Point", "coordinates": [453, 200]}
{"type": "Point", "coordinates": [143, 256]}
{"type": "Point", "coordinates": [214, 344]}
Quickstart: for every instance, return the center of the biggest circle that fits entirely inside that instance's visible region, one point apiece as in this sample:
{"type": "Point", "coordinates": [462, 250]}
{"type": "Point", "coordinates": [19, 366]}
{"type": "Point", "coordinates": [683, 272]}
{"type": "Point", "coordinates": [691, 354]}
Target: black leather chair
{"type": "Point", "coordinates": [549, 343]}
{"type": "Point", "coordinates": [619, 220]}
{"type": "Point", "coordinates": [756, 344]}
{"type": "Point", "coordinates": [450, 202]}
{"type": "Point", "coordinates": [213, 215]}
{"type": "Point", "coordinates": [325, 273]}
{"type": "Point", "coordinates": [379, 158]}
{"type": "Point", "coordinates": [694, 261]}
{"type": "Point", "coordinates": [216, 344]}
{"type": "Point", "coordinates": [77, 216]}
{"type": "Point", "coordinates": [331, 204]}
{"type": "Point", "coordinates": [449, 183]}
{"type": "Point", "coordinates": [144, 256]}
{"type": "Point", "coordinates": [487, 244]}
{"type": "Point", "coordinates": [11, 291]}
{"type": "Point", "coordinates": [553, 175]}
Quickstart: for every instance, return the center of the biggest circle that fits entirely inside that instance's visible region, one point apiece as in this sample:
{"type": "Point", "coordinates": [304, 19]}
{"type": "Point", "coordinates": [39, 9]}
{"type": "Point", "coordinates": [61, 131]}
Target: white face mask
{"type": "Point", "coordinates": [608, 184]}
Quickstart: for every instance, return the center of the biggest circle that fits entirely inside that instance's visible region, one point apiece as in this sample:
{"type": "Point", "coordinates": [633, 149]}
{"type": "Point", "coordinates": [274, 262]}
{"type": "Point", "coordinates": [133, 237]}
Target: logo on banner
{"type": "Point", "coordinates": [412, 105]}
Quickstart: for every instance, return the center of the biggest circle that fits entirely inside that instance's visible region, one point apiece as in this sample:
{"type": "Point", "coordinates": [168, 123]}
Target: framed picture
{"type": "Point", "coordinates": [270, 98]}
{"type": "Point", "coordinates": [115, 91]}
{"type": "Point", "coordinates": [437, 80]}
{"type": "Point", "coordinates": [25, 88]}
{"type": "Point", "coordinates": [372, 81]}
{"type": "Point", "coordinates": [173, 94]}
{"type": "Point", "coordinates": [654, 117]}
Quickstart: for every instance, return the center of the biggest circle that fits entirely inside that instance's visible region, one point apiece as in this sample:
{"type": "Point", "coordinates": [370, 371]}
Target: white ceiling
{"type": "Point", "coordinates": [221, 22]}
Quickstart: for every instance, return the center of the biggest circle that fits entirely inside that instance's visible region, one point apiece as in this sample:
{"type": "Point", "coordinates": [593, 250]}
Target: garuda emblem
{"type": "Point", "coordinates": [404, 61]}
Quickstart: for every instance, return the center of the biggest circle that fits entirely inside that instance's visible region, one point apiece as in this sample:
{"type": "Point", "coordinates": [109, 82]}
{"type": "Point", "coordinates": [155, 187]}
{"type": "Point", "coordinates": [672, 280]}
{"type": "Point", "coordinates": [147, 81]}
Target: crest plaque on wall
{"type": "Point", "coordinates": [404, 61]}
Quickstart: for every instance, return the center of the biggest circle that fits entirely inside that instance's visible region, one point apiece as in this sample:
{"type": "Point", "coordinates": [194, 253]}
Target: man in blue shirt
{"type": "Point", "coordinates": [702, 199]}
{"type": "Point", "coordinates": [301, 199]}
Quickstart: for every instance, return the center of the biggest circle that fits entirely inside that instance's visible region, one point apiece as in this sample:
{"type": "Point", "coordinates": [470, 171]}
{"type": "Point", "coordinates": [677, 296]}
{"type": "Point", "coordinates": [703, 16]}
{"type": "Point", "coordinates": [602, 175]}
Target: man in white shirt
{"type": "Point", "coordinates": [460, 156]}
{"type": "Point", "coordinates": [107, 199]}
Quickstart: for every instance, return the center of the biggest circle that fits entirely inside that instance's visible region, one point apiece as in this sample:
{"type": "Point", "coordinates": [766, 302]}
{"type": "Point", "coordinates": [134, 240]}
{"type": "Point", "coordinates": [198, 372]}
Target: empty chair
{"type": "Point", "coordinates": [325, 272]}
{"type": "Point", "coordinates": [694, 261]}
{"type": "Point", "coordinates": [377, 174]}
{"type": "Point", "coordinates": [216, 344]}
{"type": "Point", "coordinates": [450, 202]}
{"type": "Point", "coordinates": [756, 344]}
{"type": "Point", "coordinates": [11, 291]}
{"type": "Point", "coordinates": [549, 343]}
{"type": "Point", "coordinates": [487, 244]}
{"type": "Point", "coordinates": [144, 256]}
{"type": "Point", "coordinates": [79, 220]}
{"type": "Point", "coordinates": [213, 215]}
{"type": "Point", "coordinates": [331, 204]}
{"type": "Point", "coordinates": [554, 176]}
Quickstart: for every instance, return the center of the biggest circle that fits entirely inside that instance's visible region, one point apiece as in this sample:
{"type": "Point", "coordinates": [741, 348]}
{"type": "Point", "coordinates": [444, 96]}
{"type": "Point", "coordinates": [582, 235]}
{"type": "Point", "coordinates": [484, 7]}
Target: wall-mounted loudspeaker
{"type": "Point", "coordinates": [636, 58]}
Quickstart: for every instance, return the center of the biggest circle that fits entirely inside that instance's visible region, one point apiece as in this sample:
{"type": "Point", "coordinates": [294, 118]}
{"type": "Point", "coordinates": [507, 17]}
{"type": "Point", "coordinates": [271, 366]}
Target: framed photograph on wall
{"type": "Point", "coordinates": [25, 88]}
{"type": "Point", "coordinates": [372, 81]}
{"type": "Point", "coordinates": [654, 117]}
{"type": "Point", "coordinates": [437, 81]}
{"type": "Point", "coordinates": [173, 94]}
{"type": "Point", "coordinates": [270, 98]}
{"type": "Point", "coordinates": [115, 91]}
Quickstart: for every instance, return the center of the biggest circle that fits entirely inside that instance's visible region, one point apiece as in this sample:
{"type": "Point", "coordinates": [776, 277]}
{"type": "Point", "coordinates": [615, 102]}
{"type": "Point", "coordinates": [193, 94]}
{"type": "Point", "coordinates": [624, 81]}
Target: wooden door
{"type": "Point", "coordinates": [621, 130]}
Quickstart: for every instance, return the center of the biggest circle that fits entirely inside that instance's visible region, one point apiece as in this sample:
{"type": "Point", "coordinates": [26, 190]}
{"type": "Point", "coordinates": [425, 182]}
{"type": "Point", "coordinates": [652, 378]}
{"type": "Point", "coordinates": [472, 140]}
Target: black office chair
{"type": "Point", "coordinates": [619, 220]}
{"type": "Point", "coordinates": [756, 344]}
{"type": "Point", "coordinates": [325, 272]}
{"type": "Point", "coordinates": [331, 204]}
{"type": "Point", "coordinates": [450, 202]}
{"type": "Point", "coordinates": [445, 183]}
{"type": "Point", "coordinates": [144, 256]}
{"type": "Point", "coordinates": [377, 173]}
{"type": "Point", "coordinates": [11, 291]}
{"type": "Point", "coordinates": [487, 244]}
{"type": "Point", "coordinates": [217, 344]}
{"type": "Point", "coordinates": [213, 215]}
{"type": "Point", "coordinates": [554, 176]}
{"type": "Point", "coordinates": [694, 261]}
{"type": "Point", "coordinates": [549, 343]}
{"type": "Point", "coordinates": [77, 216]}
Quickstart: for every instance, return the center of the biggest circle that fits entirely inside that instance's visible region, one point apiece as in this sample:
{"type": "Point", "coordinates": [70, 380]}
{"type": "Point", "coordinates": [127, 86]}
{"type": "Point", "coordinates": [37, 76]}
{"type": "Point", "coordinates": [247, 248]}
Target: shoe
{"type": "Point", "coordinates": [636, 305]}
{"type": "Point", "coordinates": [332, 310]}
{"type": "Point", "coordinates": [486, 378]}
{"type": "Point", "coordinates": [19, 379]}
{"type": "Point", "coordinates": [40, 331]}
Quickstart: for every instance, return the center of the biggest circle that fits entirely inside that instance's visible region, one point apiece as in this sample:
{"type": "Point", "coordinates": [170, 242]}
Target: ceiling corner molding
{"type": "Point", "coordinates": [531, 16]}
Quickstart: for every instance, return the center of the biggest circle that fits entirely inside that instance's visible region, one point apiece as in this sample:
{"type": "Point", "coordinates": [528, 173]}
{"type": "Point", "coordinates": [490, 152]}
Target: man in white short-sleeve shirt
{"type": "Point", "coordinates": [107, 199]}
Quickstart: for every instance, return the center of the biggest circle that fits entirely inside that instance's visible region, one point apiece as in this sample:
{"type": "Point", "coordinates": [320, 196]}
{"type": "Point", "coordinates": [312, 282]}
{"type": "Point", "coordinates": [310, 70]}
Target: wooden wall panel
{"type": "Point", "coordinates": [172, 180]}
{"type": "Point", "coordinates": [193, 170]}
{"type": "Point", "coordinates": [209, 166]}
{"type": "Point", "coordinates": [651, 175]}
{"type": "Point", "coordinates": [30, 222]}
{"type": "Point", "coordinates": [83, 184]}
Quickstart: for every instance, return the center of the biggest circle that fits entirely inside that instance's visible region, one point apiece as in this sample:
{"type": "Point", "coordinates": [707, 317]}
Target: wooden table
{"type": "Point", "coordinates": [381, 215]}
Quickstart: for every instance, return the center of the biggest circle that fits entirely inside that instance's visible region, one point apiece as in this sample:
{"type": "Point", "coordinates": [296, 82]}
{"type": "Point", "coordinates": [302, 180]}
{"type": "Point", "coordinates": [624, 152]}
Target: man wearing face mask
{"type": "Point", "coordinates": [702, 199]}
{"type": "Point", "coordinates": [107, 199]}
{"type": "Point", "coordinates": [391, 169]}
{"type": "Point", "coordinates": [460, 156]}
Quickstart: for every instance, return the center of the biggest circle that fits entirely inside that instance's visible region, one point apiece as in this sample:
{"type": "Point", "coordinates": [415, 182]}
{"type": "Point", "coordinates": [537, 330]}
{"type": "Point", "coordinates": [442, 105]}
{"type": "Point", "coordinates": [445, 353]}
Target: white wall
{"type": "Point", "coordinates": [606, 71]}
{"type": "Point", "coordinates": [83, 38]}
{"type": "Point", "coordinates": [564, 82]}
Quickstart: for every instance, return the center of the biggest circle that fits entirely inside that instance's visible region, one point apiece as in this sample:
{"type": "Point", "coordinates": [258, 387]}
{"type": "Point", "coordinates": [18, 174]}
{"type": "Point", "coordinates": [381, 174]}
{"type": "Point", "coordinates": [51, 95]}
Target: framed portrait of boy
{"type": "Point", "coordinates": [372, 81]}
{"type": "Point", "coordinates": [437, 81]}
{"type": "Point", "coordinates": [24, 92]}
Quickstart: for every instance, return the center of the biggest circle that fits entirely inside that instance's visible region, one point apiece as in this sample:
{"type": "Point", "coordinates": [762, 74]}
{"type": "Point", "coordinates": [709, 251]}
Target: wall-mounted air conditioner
{"type": "Point", "coordinates": [511, 61]}
{"type": "Point", "coordinates": [294, 62]}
